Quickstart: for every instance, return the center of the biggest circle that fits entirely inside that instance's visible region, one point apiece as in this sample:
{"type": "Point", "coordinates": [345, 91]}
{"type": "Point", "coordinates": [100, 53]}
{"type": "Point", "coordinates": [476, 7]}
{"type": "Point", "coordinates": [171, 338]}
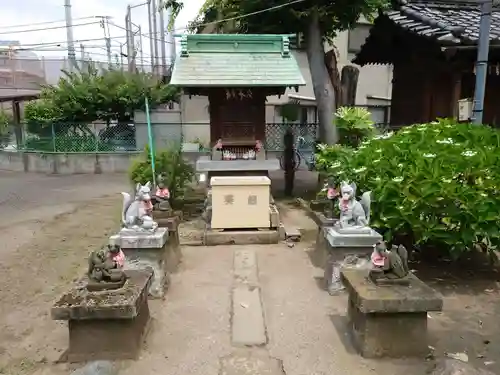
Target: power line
{"type": "Point", "coordinates": [157, 39]}
{"type": "Point", "coordinates": [46, 23]}
{"type": "Point", "coordinates": [47, 28]}
{"type": "Point", "coordinates": [243, 15]}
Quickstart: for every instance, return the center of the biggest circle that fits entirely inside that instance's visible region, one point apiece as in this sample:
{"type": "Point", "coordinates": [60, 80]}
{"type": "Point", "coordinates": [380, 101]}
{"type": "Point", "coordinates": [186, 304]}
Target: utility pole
{"type": "Point", "coordinates": [69, 35]}
{"type": "Point", "coordinates": [107, 37]}
{"type": "Point", "coordinates": [130, 39]}
{"type": "Point", "coordinates": [82, 56]}
{"type": "Point", "coordinates": [170, 39]}
{"type": "Point", "coordinates": [151, 41]}
{"type": "Point", "coordinates": [162, 40]}
{"type": "Point", "coordinates": [483, 49]}
{"type": "Point", "coordinates": [141, 51]}
{"type": "Point", "coordinates": [155, 34]}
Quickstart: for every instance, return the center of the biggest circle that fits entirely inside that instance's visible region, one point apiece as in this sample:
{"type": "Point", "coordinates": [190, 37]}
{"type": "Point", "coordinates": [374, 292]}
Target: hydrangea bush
{"type": "Point", "coordinates": [437, 184]}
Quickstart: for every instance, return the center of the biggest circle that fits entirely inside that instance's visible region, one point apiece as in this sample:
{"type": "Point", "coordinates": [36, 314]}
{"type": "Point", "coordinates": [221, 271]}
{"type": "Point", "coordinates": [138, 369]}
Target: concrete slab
{"type": "Point", "coordinates": [245, 267]}
{"type": "Point", "coordinates": [254, 237]}
{"type": "Point", "coordinates": [251, 363]}
{"type": "Point", "coordinates": [248, 327]}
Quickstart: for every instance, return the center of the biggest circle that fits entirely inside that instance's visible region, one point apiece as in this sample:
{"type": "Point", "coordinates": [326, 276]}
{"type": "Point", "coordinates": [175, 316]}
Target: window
{"type": "Point", "coordinates": [357, 37]}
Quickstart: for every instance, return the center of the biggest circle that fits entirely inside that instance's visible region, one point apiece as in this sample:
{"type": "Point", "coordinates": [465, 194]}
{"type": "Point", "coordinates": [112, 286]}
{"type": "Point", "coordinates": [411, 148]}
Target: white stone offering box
{"type": "Point", "coordinates": [240, 202]}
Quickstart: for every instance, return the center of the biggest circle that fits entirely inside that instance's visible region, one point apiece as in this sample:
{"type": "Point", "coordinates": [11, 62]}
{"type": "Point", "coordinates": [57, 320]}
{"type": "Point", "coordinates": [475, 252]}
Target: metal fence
{"type": "Point", "coordinates": [100, 137]}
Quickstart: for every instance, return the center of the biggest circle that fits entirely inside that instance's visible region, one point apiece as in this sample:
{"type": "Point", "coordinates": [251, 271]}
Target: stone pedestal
{"type": "Point", "coordinates": [333, 246]}
{"type": "Point", "coordinates": [150, 250]}
{"type": "Point", "coordinates": [106, 325]}
{"type": "Point", "coordinates": [389, 321]}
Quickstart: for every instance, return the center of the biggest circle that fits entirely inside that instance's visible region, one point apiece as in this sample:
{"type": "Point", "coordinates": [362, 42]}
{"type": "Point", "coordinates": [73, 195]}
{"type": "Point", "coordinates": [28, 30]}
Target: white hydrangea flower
{"type": "Point", "coordinates": [397, 179]}
{"type": "Point", "coordinates": [359, 170]}
{"type": "Point", "coordinates": [447, 141]}
{"type": "Point", "coordinates": [469, 153]}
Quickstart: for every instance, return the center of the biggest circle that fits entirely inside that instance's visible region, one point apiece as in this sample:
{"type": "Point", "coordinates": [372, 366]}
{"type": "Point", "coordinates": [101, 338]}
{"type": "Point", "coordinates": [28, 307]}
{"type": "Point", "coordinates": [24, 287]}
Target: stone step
{"type": "Point", "coordinates": [248, 327]}
{"type": "Point", "coordinates": [251, 363]}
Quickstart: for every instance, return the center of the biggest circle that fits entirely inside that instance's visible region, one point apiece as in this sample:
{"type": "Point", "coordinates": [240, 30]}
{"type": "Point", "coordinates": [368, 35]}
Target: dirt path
{"type": "Point", "coordinates": [48, 259]}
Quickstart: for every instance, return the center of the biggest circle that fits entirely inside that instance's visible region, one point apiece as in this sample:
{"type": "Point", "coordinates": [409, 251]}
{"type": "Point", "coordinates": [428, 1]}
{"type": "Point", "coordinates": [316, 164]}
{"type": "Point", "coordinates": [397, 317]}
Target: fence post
{"type": "Point", "coordinates": [95, 132]}
{"type": "Point", "coordinates": [53, 136]}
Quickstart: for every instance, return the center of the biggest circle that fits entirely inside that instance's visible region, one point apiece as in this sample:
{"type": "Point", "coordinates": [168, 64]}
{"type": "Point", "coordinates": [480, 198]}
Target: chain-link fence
{"type": "Point", "coordinates": [275, 132]}
{"type": "Point", "coordinates": [66, 138]}
{"type": "Point", "coordinates": [123, 137]}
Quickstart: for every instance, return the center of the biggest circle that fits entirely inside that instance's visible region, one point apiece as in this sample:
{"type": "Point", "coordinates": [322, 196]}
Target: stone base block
{"type": "Point", "coordinates": [154, 259]}
{"type": "Point", "coordinates": [389, 321]}
{"type": "Point", "coordinates": [139, 240]}
{"type": "Point", "coordinates": [160, 215]}
{"type": "Point", "coordinates": [334, 261]}
{"type": "Point", "coordinates": [106, 325]}
{"type": "Point", "coordinates": [250, 237]}
{"type": "Point", "coordinates": [274, 216]}
{"type": "Point", "coordinates": [155, 253]}
{"type": "Point", "coordinates": [109, 339]}
{"type": "Point", "coordinates": [394, 335]}
{"type": "Point", "coordinates": [366, 237]}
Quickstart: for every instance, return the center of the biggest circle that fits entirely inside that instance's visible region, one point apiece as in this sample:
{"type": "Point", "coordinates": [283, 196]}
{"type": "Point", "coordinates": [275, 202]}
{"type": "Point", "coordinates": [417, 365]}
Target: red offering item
{"type": "Point", "coordinates": [119, 258]}
{"type": "Point", "coordinates": [163, 193]}
{"type": "Point", "coordinates": [331, 193]}
{"type": "Point", "coordinates": [377, 259]}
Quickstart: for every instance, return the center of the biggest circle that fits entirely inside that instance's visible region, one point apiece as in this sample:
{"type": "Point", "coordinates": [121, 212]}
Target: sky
{"type": "Point", "coordinates": [27, 13]}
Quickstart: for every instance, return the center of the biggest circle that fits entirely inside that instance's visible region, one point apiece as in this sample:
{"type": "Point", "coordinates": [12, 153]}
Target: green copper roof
{"type": "Point", "coordinates": [236, 60]}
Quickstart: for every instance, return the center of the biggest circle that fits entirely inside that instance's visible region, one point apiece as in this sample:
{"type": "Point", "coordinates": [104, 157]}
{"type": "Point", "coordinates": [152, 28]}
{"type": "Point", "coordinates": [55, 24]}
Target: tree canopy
{"type": "Point", "coordinates": [94, 95]}
{"type": "Point", "coordinates": [319, 21]}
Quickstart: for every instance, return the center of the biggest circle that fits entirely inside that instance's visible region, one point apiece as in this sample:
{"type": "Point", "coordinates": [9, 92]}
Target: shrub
{"type": "Point", "coordinates": [354, 124]}
{"type": "Point", "coordinates": [169, 162]}
{"type": "Point", "coordinates": [435, 183]}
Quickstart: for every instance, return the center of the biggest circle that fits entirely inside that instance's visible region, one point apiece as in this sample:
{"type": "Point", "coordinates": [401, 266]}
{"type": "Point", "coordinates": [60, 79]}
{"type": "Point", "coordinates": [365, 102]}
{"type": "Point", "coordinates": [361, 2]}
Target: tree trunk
{"type": "Point", "coordinates": [333, 73]}
{"type": "Point", "coordinates": [323, 88]}
{"type": "Point", "coordinates": [349, 84]}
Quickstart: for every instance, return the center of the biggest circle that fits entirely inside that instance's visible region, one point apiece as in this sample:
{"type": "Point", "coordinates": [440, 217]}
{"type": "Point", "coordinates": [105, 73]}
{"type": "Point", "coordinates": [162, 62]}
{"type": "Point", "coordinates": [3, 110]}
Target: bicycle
{"type": "Point", "coordinates": [299, 156]}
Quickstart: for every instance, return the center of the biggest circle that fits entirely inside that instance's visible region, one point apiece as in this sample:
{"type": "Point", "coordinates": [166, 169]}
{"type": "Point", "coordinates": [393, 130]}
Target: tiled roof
{"type": "Point", "coordinates": [225, 60]}
{"type": "Point", "coordinates": [450, 21]}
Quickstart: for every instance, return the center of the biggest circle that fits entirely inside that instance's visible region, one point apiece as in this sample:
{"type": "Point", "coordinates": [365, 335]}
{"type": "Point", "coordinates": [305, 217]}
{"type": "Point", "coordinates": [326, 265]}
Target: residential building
{"type": "Point", "coordinates": [432, 46]}
{"type": "Point", "coordinates": [21, 72]}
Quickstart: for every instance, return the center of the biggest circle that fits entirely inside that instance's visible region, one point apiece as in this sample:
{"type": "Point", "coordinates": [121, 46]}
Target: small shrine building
{"type": "Point", "coordinates": [236, 72]}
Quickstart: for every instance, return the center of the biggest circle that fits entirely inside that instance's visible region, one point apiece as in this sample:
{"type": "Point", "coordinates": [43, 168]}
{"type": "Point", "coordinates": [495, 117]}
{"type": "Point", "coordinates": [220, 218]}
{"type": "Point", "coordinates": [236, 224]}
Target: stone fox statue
{"type": "Point", "coordinates": [389, 264]}
{"type": "Point", "coordinates": [353, 212]}
{"type": "Point", "coordinates": [136, 212]}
